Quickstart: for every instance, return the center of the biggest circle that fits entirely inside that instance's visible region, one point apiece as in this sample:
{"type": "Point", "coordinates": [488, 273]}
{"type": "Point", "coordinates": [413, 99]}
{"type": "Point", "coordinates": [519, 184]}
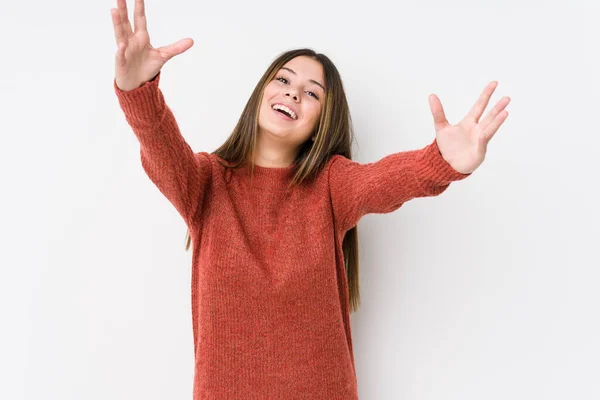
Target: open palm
{"type": "Point", "coordinates": [136, 61]}
{"type": "Point", "coordinates": [464, 145]}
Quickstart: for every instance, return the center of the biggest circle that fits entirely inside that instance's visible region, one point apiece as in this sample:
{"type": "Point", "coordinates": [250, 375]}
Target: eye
{"type": "Point", "coordinates": [285, 81]}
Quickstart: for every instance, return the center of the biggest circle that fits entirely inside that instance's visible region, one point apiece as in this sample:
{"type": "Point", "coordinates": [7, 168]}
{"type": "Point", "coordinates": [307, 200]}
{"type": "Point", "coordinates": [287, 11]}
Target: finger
{"type": "Point", "coordinates": [118, 26]}
{"type": "Point", "coordinates": [501, 105]}
{"type": "Point", "coordinates": [439, 117]}
{"type": "Point", "coordinates": [122, 6]}
{"type": "Point", "coordinates": [493, 126]}
{"type": "Point", "coordinates": [482, 102]}
{"type": "Point", "coordinates": [139, 16]}
{"type": "Point", "coordinates": [120, 55]}
{"type": "Point", "coordinates": [176, 48]}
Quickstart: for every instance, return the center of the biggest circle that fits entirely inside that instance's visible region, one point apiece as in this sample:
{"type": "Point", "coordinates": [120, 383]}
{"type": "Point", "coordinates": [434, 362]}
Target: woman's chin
{"type": "Point", "coordinates": [276, 130]}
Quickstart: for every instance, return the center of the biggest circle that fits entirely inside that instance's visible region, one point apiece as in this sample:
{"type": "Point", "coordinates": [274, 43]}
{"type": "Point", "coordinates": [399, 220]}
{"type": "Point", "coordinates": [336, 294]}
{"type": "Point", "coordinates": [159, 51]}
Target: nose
{"type": "Point", "coordinates": [293, 93]}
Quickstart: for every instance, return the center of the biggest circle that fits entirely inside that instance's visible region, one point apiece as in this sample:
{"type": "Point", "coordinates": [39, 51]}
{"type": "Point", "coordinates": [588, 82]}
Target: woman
{"type": "Point", "coordinates": [272, 214]}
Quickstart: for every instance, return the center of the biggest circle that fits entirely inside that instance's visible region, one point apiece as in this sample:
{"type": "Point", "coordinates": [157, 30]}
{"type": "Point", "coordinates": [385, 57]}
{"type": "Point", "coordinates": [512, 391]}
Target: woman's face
{"type": "Point", "coordinates": [299, 87]}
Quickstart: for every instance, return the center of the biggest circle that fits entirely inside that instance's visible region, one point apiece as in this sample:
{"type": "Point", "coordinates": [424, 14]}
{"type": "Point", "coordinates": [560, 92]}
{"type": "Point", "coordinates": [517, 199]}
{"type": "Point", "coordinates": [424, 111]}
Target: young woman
{"type": "Point", "coordinates": [272, 214]}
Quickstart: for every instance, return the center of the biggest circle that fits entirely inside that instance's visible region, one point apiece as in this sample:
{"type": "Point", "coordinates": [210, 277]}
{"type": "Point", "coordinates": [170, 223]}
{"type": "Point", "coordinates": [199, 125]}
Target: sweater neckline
{"type": "Point", "coordinates": [274, 177]}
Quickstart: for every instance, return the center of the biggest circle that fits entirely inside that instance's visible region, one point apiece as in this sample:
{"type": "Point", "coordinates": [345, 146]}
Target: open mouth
{"type": "Point", "coordinates": [284, 112]}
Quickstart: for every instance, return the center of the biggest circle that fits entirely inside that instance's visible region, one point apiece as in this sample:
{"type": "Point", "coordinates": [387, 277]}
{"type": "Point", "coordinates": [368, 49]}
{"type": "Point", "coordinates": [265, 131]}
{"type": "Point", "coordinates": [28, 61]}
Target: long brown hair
{"type": "Point", "coordinates": [333, 135]}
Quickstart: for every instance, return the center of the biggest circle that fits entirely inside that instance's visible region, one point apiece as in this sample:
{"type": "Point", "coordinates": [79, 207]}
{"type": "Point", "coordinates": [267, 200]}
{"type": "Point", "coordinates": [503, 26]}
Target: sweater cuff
{"type": "Point", "coordinates": [432, 168]}
{"type": "Point", "coordinates": [141, 105]}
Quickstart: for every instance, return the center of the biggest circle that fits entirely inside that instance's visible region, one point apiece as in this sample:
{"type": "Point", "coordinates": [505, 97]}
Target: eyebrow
{"type": "Point", "coordinates": [312, 80]}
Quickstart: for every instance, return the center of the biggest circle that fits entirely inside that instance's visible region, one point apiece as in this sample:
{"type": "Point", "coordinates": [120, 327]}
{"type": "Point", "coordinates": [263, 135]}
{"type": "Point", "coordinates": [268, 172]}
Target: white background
{"type": "Point", "coordinates": [489, 291]}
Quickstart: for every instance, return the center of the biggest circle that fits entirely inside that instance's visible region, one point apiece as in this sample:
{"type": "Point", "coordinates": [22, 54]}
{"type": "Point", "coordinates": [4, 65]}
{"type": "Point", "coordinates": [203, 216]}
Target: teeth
{"type": "Point", "coordinates": [286, 109]}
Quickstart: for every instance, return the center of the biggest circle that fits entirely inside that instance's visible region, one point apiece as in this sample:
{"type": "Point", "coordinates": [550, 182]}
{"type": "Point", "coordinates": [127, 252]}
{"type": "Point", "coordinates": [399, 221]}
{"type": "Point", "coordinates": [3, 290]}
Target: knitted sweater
{"type": "Point", "coordinates": [269, 293]}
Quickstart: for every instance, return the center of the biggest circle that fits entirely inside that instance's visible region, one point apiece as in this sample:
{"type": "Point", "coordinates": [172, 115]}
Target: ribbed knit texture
{"type": "Point", "coordinates": [269, 293]}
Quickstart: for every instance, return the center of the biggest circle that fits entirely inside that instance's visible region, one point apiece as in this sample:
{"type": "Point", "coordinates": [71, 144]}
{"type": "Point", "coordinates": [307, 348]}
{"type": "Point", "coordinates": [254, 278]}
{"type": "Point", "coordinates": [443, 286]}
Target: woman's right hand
{"type": "Point", "coordinates": [136, 61]}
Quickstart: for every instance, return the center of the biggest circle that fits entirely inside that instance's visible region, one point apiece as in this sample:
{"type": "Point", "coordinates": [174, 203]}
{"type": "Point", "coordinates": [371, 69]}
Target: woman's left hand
{"type": "Point", "coordinates": [464, 145]}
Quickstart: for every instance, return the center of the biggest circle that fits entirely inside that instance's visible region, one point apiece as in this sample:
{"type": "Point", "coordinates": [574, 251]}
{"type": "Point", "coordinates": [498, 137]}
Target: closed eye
{"type": "Point", "coordinates": [281, 79]}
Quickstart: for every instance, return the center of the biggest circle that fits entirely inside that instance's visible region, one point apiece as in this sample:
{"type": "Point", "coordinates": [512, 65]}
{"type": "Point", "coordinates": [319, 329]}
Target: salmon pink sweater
{"type": "Point", "coordinates": [269, 293]}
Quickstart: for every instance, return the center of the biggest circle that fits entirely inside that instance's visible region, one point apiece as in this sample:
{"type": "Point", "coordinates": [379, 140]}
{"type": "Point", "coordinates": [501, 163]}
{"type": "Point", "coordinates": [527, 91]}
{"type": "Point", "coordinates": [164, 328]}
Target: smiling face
{"type": "Point", "coordinates": [297, 93]}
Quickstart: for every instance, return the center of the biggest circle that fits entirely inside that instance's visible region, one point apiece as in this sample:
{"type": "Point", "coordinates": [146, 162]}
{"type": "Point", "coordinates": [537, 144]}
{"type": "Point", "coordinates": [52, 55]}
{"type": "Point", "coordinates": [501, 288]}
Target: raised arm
{"type": "Point", "coordinates": [383, 186]}
{"type": "Point", "coordinates": [179, 173]}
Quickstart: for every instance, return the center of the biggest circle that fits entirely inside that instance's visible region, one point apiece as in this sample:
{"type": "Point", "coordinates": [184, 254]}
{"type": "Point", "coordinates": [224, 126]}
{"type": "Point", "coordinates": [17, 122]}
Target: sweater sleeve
{"type": "Point", "coordinates": [384, 186]}
{"type": "Point", "coordinates": [180, 174]}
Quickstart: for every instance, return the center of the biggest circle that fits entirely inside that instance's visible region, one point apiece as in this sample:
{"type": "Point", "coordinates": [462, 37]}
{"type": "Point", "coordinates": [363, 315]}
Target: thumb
{"type": "Point", "coordinates": [439, 117]}
{"type": "Point", "coordinates": [170, 51]}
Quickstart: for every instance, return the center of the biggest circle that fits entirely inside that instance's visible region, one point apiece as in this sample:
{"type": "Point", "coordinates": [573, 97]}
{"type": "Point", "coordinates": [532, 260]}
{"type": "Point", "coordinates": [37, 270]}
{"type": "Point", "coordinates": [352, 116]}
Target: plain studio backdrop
{"type": "Point", "coordinates": [488, 291]}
